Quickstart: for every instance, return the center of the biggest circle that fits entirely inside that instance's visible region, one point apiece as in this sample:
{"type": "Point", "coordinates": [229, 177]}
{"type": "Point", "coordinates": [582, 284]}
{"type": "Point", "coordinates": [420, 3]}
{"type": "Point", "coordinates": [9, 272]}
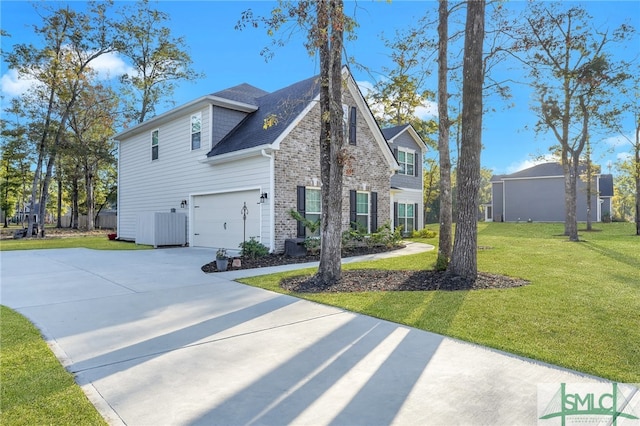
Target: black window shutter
{"type": "Point", "coordinates": [301, 209]}
{"type": "Point", "coordinates": [415, 217]}
{"type": "Point", "coordinates": [395, 153]}
{"type": "Point", "coordinates": [353, 209]}
{"type": "Point", "coordinates": [352, 126]}
{"type": "Point", "coordinates": [374, 211]}
{"type": "Point", "coordinates": [395, 215]}
{"type": "Point", "coordinates": [416, 167]}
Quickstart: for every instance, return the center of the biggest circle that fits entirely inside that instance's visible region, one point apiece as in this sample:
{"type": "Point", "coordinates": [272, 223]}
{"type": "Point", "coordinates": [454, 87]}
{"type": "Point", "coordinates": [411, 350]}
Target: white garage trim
{"type": "Point", "coordinates": [219, 238]}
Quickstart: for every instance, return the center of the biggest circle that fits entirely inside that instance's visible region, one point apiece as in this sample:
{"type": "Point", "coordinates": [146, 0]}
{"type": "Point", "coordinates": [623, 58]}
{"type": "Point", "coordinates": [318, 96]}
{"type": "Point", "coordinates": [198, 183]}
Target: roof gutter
{"type": "Point", "coordinates": [259, 150]}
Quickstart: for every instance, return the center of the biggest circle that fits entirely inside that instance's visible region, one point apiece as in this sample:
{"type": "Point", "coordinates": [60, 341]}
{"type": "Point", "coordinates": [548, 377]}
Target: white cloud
{"type": "Point", "coordinates": [13, 84]}
{"type": "Point", "coordinates": [428, 112]}
{"type": "Point", "coordinates": [106, 66]}
{"type": "Point", "coordinates": [617, 141]}
{"type": "Point", "coordinates": [530, 162]}
{"type": "Point", "coordinates": [111, 65]}
{"type": "Point", "coordinates": [624, 156]}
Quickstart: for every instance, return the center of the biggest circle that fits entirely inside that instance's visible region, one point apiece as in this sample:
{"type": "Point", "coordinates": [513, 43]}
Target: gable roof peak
{"type": "Point", "coordinates": [244, 93]}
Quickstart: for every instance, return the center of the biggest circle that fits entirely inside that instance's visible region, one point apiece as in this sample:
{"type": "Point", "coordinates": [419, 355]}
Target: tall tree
{"type": "Point", "coordinates": [566, 58]}
{"type": "Point", "coordinates": [71, 41]}
{"type": "Point", "coordinates": [445, 239]}
{"type": "Point", "coordinates": [630, 106]}
{"type": "Point", "coordinates": [160, 60]}
{"type": "Point", "coordinates": [330, 34]}
{"type": "Point", "coordinates": [92, 123]}
{"type": "Point", "coordinates": [464, 254]}
{"type": "Point", "coordinates": [326, 25]}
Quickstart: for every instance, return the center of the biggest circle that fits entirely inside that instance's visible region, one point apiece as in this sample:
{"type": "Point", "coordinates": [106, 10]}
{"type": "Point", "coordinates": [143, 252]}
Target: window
{"type": "Point", "coordinates": [352, 126]}
{"type": "Point", "coordinates": [196, 127]}
{"type": "Point", "coordinates": [406, 217]}
{"type": "Point", "coordinates": [312, 209]}
{"type": "Point", "coordinates": [362, 210]}
{"type": "Point", "coordinates": [154, 145]}
{"type": "Point", "coordinates": [406, 160]}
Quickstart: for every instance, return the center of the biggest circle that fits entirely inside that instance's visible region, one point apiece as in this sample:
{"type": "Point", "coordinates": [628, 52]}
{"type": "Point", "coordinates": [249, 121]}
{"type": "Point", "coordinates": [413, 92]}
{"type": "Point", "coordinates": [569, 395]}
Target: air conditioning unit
{"type": "Point", "coordinates": [161, 229]}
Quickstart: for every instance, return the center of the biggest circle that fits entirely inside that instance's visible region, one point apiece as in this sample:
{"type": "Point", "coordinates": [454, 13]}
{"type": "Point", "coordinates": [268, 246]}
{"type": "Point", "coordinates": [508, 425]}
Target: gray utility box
{"type": "Point", "coordinates": [294, 247]}
{"type": "Point", "coordinates": [161, 229]}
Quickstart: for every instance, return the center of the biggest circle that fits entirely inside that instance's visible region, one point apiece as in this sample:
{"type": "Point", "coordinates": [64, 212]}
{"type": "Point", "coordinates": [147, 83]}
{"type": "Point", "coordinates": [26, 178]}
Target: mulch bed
{"type": "Point", "coordinates": [375, 279]}
{"type": "Point", "coordinates": [384, 280]}
{"type": "Point", "coordinates": [281, 259]}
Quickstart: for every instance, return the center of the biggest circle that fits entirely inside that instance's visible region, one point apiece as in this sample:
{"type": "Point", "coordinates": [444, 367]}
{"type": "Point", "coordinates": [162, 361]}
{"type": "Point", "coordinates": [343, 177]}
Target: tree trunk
{"type": "Point", "coordinates": [59, 203]}
{"type": "Point", "coordinates": [637, 179]}
{"type": "Point", "coordinates": [88, 179]}
{"type": "Point", "coordinates": [445, 215]}
{"type": "Point", "coordinates": [589, 187]}
{"type": "Point", "coordinates": [570, 168]}
{"type": "Point", "coordinates": [74, 195]}
{"type": "Point", "coordinates": [330, 18]}
{"type": "Point", "coordinates": [464, 255]}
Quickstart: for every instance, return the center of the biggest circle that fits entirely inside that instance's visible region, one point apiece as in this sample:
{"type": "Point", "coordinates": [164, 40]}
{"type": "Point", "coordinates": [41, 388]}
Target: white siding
{"type": "Point", "coordinates": [409, 196]}
{"type": "Point", "coordinates": [160, 185]}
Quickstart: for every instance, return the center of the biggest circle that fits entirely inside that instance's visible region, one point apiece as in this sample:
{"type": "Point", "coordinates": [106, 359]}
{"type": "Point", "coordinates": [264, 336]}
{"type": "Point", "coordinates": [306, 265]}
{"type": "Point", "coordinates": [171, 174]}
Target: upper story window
{"type": "Point", "coordinates": [196, 130]}
{"type": "Point", "coordinates": [406, 161]}
{"type": "Point", "coordinates": [154, 144]}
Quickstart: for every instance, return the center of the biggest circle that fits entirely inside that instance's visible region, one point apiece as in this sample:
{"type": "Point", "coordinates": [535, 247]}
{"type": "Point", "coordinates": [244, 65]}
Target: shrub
{"type": "Point", "coordinates": [384, 236]}
{"type": "Point", "coordinates": [311, 225]}
{"type": "Point", "coordinates": [253, 249]}
{"type": "Point", "coordinates": [312, 244]}
{"type": "Point", "coordinates": [424, 233]}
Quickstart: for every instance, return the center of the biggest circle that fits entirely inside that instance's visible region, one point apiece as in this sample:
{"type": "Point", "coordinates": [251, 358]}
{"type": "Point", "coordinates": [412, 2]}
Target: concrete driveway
{"type": "Point", "coordinates": [154, 341]}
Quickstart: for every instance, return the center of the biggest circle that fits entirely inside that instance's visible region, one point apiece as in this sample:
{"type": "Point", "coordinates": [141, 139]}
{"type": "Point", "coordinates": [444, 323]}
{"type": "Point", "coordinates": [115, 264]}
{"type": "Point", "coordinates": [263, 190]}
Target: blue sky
{"type": "Point", "coordinates": [229, 57]}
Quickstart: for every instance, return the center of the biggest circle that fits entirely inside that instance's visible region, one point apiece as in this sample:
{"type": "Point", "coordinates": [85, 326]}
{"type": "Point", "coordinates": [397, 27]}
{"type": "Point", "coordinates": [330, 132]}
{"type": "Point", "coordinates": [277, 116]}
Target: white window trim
{"type": "Point", "coordinates": [413, 163]}
{"type": "Point", "coordinates": [403, 220]}
{"type": "Point", "coordinates": [368, 208]}
{"type": "Point", "coordinates": [199, 115]}
{"type": "Point", "coordinates": [313, 188]}
{"type": "Point", "coordinates": [158, 144]}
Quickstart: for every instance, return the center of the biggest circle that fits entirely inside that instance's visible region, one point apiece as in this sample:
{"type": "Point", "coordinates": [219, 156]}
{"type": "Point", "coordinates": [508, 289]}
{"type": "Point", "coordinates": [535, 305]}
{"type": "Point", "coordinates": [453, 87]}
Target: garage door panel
{"type": "Point", "coordinates": [217, 219]}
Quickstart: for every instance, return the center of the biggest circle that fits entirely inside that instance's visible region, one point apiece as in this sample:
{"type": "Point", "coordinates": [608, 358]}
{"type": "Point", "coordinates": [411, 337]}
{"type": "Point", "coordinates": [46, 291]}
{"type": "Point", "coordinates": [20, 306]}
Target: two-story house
{"type": "Point", "coordinates": [237, 161]}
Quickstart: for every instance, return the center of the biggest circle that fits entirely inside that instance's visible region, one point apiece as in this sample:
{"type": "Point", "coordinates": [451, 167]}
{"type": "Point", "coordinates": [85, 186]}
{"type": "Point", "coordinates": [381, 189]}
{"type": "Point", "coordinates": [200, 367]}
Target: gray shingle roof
{"type": "Point", "coordinates": [284, 105]}
{"type": "Point", "coordinates": [391, 132]}
{"type": "Point", "coordinates": [545, 169]}
{"type": "Point", "coordinates": [244, 93]}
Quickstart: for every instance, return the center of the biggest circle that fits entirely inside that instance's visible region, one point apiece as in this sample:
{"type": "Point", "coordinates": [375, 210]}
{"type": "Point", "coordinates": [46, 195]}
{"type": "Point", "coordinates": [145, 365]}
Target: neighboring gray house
{"type": "Point", "coordinates": [243, 147]}
{"type": "Point", "coordinates": [407, 184]}
{"type": "Point", "coordinates": [537, 194]}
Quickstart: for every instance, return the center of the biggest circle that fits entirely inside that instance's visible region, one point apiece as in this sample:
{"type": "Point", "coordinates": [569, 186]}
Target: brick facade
{"type": "Point", "coordinates": [297, 162]}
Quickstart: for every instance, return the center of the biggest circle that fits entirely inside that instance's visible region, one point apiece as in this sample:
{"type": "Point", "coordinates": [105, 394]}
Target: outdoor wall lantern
{"type": "Point", "coordinates": [184, 204]}
{"type": "Point", "coordinates": [263, 198]}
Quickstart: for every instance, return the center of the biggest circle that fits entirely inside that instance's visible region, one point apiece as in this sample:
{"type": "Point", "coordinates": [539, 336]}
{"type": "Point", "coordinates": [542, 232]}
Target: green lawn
{"type": "Point", "coordinates": [34, 388]}
{"type": "Point", "coordinates": [581, 311]}
{"type": "Point", "coordinates": [91, 242]}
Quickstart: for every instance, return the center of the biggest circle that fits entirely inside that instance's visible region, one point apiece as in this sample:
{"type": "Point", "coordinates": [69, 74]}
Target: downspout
{"type": "Point", "coordinates": [118, 215]}
{"type": "Point", "coordinates": [272, 208]}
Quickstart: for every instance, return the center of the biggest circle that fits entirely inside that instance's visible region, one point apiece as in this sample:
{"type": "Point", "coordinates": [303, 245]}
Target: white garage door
{"type": "Point", "coordinates": [217, 219]}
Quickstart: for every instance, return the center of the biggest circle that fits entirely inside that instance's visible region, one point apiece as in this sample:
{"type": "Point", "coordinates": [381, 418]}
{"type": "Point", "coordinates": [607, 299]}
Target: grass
{"type": "Point", "coordinates": [35, 388]}
{"type": "Point", "coordinates": [66, 238]}
{"type": "Point", "coordinates": [581, 311]}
